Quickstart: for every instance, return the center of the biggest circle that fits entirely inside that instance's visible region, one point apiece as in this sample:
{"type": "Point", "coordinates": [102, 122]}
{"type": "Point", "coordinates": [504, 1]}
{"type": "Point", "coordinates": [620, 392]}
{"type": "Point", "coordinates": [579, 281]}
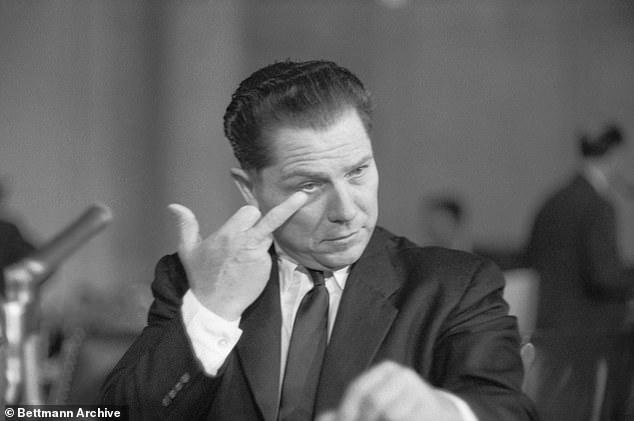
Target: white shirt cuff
{"type": "Point", "coordinates": [212, 337]}
{"type": "Point", "coordinates": [466, 413]}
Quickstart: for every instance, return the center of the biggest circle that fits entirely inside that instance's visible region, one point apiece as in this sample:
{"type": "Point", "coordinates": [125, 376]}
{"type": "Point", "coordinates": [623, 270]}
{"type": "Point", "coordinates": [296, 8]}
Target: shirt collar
{"type": "Point", "coordinates": [597, 178]}
{"type": "Point", "coordinates": [287, 265]}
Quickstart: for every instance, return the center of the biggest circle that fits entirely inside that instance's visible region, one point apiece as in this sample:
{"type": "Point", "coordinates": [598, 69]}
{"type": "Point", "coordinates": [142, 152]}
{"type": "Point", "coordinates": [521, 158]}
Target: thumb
{"type": "Point", "coordinates": [188, 228]}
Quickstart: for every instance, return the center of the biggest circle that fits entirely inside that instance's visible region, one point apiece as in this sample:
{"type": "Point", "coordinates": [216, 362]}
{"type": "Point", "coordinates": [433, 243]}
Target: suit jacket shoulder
{"type": "Point", "coordinates": [449, 322]}
{"type": "Point", "coordinates": [450, 273]}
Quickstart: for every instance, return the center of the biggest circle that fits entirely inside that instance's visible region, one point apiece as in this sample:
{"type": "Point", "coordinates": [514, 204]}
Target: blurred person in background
{"type": "Point", "coordinates": [584, 285]}
{"type": "Point", "coordinates": [396, 332]}
{"type": "Point", "coordinates": [445, 219]}
{"type": "Point", "coordinates": [444, 223]}
{"type": "Point", "coordinates": [13, 245]}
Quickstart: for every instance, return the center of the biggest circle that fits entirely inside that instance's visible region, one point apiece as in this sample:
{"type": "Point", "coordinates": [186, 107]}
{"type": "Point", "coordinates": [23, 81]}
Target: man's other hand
{"type": "Point", "coordinates": [228, 270]}
{"type": "Point", "coordinates": [392, 392]}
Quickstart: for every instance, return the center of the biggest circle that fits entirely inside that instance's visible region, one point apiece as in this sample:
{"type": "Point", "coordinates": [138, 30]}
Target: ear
{"type": "Point", "coordinates": [245, 181]}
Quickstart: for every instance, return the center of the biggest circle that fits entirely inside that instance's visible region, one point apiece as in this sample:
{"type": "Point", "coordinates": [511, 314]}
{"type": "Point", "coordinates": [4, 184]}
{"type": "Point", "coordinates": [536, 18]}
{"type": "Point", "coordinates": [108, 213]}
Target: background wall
{"type": "Point", "coordinates": [121, 102]}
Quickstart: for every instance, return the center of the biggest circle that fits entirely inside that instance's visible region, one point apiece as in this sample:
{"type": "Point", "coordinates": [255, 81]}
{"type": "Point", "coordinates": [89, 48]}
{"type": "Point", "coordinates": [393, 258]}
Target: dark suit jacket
{"type": "Point", "coordinates": [573, 246]}
{"type": "Point", "coordinates": [438, 311]}
{"type": "Point", "coordinates": [13, 247]}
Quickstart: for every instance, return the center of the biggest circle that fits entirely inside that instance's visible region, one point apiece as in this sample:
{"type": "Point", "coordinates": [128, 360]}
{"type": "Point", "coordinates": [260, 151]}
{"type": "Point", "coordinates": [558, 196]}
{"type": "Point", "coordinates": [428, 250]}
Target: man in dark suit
{"type": "Point", "coordinates": [584, 285]}
{"type": "Point", "coordinates": [13, 245]}
{"type": "Point", "coordinates": [411, 333]}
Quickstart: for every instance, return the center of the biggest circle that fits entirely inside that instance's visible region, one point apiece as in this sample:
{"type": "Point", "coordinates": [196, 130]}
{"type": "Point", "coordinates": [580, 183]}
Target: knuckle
{"type": "Point", "coordinates": [357, 390]}
{"type": "Point", "coordinates": [252, 244]}
{"type": "Point", "coordinates": [258, 240]}
{"type": "Point", "coordinates": [410, 376]}
{"type": "Point", "coordinates": [375, 406]}
{"type": "Point", "coordinates": [389, 365]}
{"type": "Point", "coordinates": [222, 240]}
{"type": "Point", "coordinates": [247, 241]}
{"type": "Point", "coordinates": [371, 402]}
{"type": "Point", "coordinates": [250, 212]}
{"type": "Point", "coordinates": [243, 257]}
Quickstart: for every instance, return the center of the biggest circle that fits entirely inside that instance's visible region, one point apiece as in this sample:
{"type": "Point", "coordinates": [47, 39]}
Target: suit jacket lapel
{"type": "Point", "coordinates": [363, 320]}
{"type": "Point", "coordinates": [259, 345]}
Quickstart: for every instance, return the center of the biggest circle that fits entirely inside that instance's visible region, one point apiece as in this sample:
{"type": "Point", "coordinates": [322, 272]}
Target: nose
{"type": "Point", "coordinates": [341, 204]}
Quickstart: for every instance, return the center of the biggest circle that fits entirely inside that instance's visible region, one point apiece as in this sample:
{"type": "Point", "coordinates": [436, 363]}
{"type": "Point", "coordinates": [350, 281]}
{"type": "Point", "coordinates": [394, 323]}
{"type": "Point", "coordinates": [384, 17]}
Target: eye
{"type": "Point", "coordinates": [357, 172]}
{"type": "Point", "coordinates": [309, 186]}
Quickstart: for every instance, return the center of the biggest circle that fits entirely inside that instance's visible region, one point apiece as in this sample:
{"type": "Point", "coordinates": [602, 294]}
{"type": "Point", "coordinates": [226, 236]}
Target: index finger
{"type": "Point", "coordinates": [280, 213]}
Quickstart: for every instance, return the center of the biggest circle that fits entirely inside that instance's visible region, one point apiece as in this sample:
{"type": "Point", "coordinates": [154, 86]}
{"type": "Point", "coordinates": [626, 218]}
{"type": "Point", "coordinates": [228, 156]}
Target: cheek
{"type": "Point", "coordinates": [304, 226]}
{"type": "Point", "coordinates": [308, 218]}
{"type": "Point", "coordinates": [368, 200]}
{"type": "Point", "coordinates": [370, 192]}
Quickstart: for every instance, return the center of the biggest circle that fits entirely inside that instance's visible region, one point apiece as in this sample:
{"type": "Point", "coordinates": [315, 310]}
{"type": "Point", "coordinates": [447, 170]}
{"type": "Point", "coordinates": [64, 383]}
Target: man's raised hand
{"type": "Point", "coordinates": [228, 270]}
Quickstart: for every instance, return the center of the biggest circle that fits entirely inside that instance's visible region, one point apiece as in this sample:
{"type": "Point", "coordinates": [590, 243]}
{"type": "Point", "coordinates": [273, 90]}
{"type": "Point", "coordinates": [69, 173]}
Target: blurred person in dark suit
{"type": "Point", "coordinates": [584, 284]}
{"type": "Point", "coordinates": [13, 245]}
{"type": "Point", "coordinates": [445, 223]}
{"type": "Point", "coordinates": [403, 333]}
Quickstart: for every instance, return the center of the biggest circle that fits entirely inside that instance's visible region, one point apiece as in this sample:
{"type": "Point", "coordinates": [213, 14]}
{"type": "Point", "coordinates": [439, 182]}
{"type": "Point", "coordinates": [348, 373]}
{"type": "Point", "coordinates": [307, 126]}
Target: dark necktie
{"type": "Point", "coordinates": [305, 353]}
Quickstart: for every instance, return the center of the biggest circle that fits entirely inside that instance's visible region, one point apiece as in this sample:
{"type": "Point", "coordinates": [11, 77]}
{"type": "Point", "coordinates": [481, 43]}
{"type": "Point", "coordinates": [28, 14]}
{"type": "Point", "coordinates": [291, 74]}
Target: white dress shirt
{"type": "Point", "coordinates": [598, 179]}
{"type": "Point", "coordinates": [213, 337]}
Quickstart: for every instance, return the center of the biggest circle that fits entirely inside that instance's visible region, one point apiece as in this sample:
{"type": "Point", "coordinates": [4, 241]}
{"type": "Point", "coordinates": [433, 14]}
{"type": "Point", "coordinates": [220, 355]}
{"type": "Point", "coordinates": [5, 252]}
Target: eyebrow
{"type": "Point", "coordinates": [303, 173]}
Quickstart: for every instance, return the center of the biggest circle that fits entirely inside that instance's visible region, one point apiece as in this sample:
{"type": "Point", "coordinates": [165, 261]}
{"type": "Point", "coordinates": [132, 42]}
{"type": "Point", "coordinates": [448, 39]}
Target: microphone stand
{"type": "Point", "coordinates": [19, 331]}
{"type": "Point", "coordinates": [21, 325]}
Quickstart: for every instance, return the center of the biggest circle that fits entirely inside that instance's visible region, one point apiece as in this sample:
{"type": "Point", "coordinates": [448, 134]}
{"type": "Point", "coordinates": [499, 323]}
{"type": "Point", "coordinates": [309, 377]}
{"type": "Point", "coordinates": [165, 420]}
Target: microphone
{"type": "Point", "coordinates": [18, 332]}
{"type": "Point", "coordinates": [92, 221]}
{"type": "Point", "coordinates": [37, 267]}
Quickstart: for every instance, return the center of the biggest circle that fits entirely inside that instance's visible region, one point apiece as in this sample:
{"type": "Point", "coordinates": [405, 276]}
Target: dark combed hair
{"type": "Point", "coordinates": [595, 146]}
{"type": "Point", "coordinates": [310, 94]}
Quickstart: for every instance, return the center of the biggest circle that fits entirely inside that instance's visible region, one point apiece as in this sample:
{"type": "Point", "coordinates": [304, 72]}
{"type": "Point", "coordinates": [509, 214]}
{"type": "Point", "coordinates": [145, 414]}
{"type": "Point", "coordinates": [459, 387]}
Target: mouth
{"type": "Point", "coordinates": [342, 238]}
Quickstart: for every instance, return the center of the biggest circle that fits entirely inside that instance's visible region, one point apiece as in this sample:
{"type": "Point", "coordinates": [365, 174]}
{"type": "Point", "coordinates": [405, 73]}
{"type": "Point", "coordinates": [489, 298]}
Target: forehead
{"type": "Point", "coordinates": [342, 143]}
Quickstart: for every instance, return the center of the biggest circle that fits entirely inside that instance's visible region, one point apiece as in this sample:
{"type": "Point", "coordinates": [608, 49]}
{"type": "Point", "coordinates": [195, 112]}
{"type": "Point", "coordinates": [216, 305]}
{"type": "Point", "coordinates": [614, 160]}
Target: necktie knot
{"type": "Point", "coordinates": [317, 276]}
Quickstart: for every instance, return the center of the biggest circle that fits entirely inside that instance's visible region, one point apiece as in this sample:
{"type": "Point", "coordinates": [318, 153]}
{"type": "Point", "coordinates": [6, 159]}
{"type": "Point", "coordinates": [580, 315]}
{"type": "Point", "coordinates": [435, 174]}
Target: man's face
{"type": "Point", "coordinates": [335, 167]}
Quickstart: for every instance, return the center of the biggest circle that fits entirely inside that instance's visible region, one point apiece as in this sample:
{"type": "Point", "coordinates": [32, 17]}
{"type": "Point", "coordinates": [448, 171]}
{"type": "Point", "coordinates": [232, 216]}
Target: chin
{"type": "Point", "coordinates": [339, 259]}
